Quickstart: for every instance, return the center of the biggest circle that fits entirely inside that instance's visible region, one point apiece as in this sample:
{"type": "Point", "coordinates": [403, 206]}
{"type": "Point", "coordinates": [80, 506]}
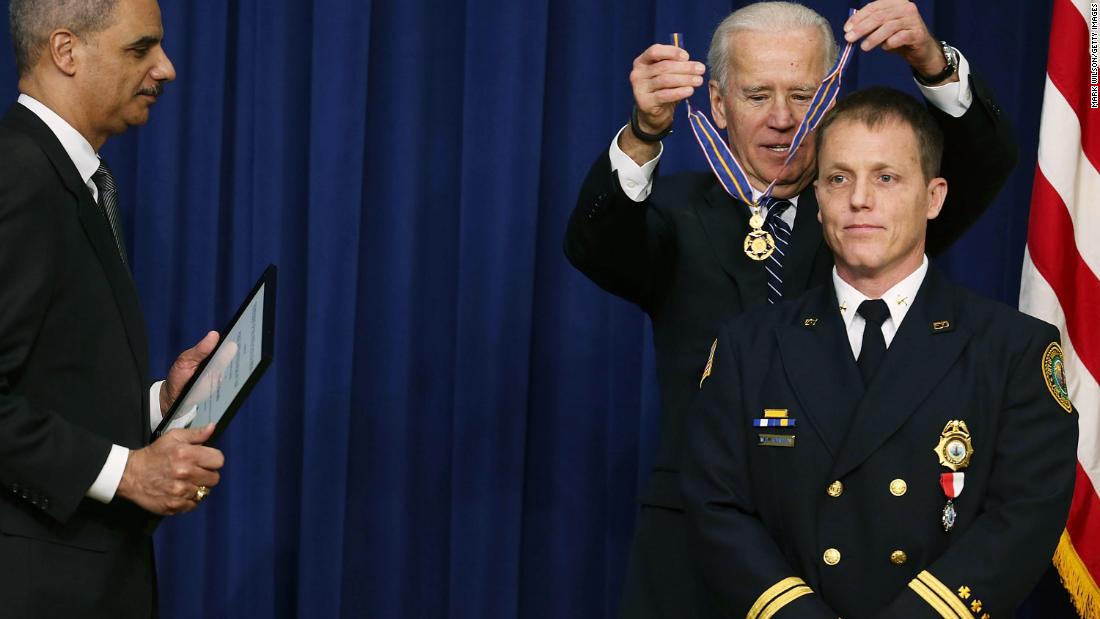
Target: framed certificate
{"type": "Point", "coordinates": [224, 380]}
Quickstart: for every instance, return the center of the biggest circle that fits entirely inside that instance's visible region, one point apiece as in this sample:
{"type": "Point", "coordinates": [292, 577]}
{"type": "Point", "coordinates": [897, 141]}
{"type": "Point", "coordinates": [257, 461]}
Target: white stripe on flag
{"type": "Point", "coordinates": [1065, 166]}
{"type": "Point", "coordinates": [1076, 184]}
{"type": "Point", "coordinates": [1038, 299]}
{"type": "Point", "coordinates": [1082, 6]}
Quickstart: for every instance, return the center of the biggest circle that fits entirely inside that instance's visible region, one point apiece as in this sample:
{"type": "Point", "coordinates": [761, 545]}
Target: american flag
{"type": "Point", "coordinates": [1059, 282]}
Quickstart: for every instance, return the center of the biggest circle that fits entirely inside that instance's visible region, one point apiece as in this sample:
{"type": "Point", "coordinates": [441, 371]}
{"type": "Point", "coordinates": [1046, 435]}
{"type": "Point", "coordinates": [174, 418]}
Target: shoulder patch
{"type": "Point", "coordinates": [710, 363]}
{"type": "Point", "coordinates": [1054, 373]}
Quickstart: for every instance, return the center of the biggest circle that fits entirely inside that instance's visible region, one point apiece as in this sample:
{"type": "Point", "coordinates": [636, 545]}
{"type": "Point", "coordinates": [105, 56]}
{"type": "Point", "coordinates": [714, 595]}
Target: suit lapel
{"type": "Point", "coordinates": [828, 388]}
{"type": "Point", "coordinates": [804, 246]}
{"type": "Point", "coordinates": [96, 228]}
{"type": "Point", "coordinates": [916, 361]}
{"type": "Point", "coordinates": [726, 222]}
{"type": "Point", "coordinates": [99, 234]}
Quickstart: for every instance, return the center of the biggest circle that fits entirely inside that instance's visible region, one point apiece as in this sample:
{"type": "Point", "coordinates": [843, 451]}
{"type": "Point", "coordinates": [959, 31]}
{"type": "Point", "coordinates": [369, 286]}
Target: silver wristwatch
{"type": "Point", "coordinates": [952, 56]}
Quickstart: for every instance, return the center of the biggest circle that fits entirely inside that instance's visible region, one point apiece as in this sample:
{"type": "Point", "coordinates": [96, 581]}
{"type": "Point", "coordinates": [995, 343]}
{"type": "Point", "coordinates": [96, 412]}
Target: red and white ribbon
{"type": "Point", "coordinates": [952, 484]}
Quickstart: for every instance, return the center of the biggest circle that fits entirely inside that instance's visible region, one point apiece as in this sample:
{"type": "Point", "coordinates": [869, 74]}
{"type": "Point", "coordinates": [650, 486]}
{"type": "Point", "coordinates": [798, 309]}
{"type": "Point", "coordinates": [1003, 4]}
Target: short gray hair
{"type": "Point", "coordinates": [766, 17]}
{"type": "Point", "coordinates": [32, 21]}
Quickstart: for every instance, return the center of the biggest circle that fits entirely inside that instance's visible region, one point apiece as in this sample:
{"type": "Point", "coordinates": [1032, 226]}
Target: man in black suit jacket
{"type": "Point", "coordinates": [887, 444]}
{"type": "Point", "coordinates": [80, 481]}
{"type": "Point", "coordinates": [677, 251]}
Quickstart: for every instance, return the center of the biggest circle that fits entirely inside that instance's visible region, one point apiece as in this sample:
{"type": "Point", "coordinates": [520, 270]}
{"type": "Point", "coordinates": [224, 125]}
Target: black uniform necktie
{"type": "Point", "coordinates": [108, 201]}
{"type": "Point", "coordinates": [781, 232]}
{"type": "Point", "coordinates": [875, 312]}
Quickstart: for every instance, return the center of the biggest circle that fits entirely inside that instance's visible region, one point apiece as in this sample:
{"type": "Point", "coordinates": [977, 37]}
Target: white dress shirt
{"type": "Point", "coordinates": [898, 299]}
{"type": "Point", "coordinates": [87, 162]}
{"type": "Point", "coordinates": [954, 98]}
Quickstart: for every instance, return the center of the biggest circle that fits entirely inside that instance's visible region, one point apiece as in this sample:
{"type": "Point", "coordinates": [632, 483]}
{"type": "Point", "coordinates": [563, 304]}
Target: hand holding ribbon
{"type": "Point", "coordinates": [661, 77]}
{"type": "Point", "coordinates": [759, 244]}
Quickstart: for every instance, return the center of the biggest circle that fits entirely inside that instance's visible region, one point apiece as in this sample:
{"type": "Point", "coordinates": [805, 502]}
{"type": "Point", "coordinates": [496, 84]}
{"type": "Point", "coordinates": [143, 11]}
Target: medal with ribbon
{"type": "Point", "coordinates": [759, 244]}
{"type": "Point", "coordinates": [952, 484]}
{"type": "Point", "coordinates": [954, 450]}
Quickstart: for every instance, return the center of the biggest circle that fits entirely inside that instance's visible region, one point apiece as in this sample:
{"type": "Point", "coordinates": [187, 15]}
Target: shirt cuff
{"type": "Point", "coordinates": [636, 180]}
{"type": "Point", "coordinates": [104, 487]}
{"type": "Point", "coordinates": [953, 98]}
{"type": "Point", "coordinates": [154, 405]}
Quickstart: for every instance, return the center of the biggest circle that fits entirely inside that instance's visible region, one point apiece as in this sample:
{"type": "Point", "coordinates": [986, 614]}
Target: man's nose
{"type": "Point", "coordinates": [164, 71]}
{"type": "Point", "coordinates": [781, 116]}
{"type": "Point", "coordinates": [862, 196]}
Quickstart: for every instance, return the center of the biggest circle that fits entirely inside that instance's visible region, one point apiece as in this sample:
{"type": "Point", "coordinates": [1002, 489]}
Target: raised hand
{"type": "Point", "coordinates": [896, 26]}
{"type": "Point", "coordinates": [661, 77]}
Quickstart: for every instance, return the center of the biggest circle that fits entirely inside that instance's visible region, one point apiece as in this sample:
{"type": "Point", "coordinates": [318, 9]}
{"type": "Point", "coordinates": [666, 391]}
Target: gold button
{"type": "Point", "coordinates": [832, 556]}
{"type": "Point", "coordinates": [835, 489]}
{"type": "Point", "coordinates": [898, 487]}
{"type": "Point", "coordinates": [898, 557]}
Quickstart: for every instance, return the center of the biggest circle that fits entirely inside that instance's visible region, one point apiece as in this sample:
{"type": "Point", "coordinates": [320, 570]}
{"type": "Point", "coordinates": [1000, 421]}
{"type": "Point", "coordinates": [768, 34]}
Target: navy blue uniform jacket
{"type": "Point", "coordinates": [762, 518]}
{"type": "Point", "coordinates": [678, 255]}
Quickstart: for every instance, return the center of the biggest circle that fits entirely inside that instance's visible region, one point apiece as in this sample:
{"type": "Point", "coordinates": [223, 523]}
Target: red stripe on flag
{"type": "Point", "coordinates": [1068, 69]}
{"type": "Point", "coordinates": [1085, 510]}
{"type": "Point", "coordinates": [1052, 248]}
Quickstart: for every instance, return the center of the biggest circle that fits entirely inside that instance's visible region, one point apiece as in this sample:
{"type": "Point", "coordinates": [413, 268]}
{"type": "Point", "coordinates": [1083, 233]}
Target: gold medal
{"type": "Point", "coordinates": [954, 448]}
{"type": "Point", "coordinates": [759, 244]}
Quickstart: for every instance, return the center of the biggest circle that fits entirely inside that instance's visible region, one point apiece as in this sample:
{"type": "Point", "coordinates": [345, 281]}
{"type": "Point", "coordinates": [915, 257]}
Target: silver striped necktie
{"type": "Point", "coordinates": [108, 201]}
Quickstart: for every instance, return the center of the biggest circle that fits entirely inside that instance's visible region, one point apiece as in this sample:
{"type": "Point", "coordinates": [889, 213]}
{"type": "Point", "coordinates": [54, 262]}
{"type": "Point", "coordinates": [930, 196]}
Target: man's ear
{"type": "Point", "coordinates": [717, 109]}
{"type": "Point", "coordinates": [60, 48]}
{"type": "Point", "coordinates": [937, 193]}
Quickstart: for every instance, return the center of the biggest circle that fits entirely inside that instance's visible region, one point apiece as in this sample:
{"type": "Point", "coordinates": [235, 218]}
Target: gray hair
{"type": "Point", "coordinates": [766, 17]}
{"type": "Point", "coordinates": [32, 21]}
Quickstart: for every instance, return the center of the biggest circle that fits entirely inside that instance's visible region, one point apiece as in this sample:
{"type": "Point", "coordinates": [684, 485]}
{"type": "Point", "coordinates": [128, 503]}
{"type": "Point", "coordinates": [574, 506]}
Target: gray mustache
{"type": "Point", "coordinates": [154, 91]}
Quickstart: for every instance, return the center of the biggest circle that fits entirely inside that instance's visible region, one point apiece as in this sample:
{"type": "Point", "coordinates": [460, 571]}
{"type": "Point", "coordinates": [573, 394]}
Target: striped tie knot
{"type": "Point", "coordinates": [776, 207]}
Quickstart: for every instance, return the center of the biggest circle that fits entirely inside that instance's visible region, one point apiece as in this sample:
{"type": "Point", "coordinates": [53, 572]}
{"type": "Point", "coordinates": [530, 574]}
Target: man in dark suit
{"type": "Point", "coordinates": [80, 481]}
{"type": "Point", "coordinates": [887, 444]}
{"type": "Point", "coordinates": [673, 245]}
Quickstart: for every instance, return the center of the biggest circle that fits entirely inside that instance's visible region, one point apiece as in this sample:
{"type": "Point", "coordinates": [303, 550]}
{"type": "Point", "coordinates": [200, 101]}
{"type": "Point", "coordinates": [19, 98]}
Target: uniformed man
{"type": "Point", "coordinates": [674, 244]}
{"type": "Point", "coordinates": [888, 444]}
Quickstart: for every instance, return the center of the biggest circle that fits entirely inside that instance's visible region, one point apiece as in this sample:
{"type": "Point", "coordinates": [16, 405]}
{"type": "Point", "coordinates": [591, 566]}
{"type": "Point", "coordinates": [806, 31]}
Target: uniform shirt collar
{"type": "Point", "coordinates": [76, 146]}
{"type": "Point", "coordinates": [898, 299]}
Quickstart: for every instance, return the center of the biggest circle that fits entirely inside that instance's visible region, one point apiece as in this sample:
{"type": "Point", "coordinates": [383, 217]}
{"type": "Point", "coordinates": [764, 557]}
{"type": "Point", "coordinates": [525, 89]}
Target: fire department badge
{"type": "Point", "coordinates": [954, 448]}
{"type": "Point", "coordinates": [1054, 373]}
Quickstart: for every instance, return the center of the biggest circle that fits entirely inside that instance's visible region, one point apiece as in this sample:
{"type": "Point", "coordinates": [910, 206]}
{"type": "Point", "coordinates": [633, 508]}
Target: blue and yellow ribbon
{"type": "Point", "coordinates": [721, 159]}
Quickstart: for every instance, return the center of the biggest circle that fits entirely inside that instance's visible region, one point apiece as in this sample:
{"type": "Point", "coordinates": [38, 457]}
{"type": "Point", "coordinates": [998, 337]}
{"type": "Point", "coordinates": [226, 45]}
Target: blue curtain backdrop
{"type": "Point", "coordinates": [456, 422]}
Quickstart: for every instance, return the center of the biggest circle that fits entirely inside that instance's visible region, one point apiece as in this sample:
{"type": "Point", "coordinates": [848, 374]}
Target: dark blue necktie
{"type": "Point", "coordinates": [875, 312]}
{"type": "Point", "coordinates": [781, 232]}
